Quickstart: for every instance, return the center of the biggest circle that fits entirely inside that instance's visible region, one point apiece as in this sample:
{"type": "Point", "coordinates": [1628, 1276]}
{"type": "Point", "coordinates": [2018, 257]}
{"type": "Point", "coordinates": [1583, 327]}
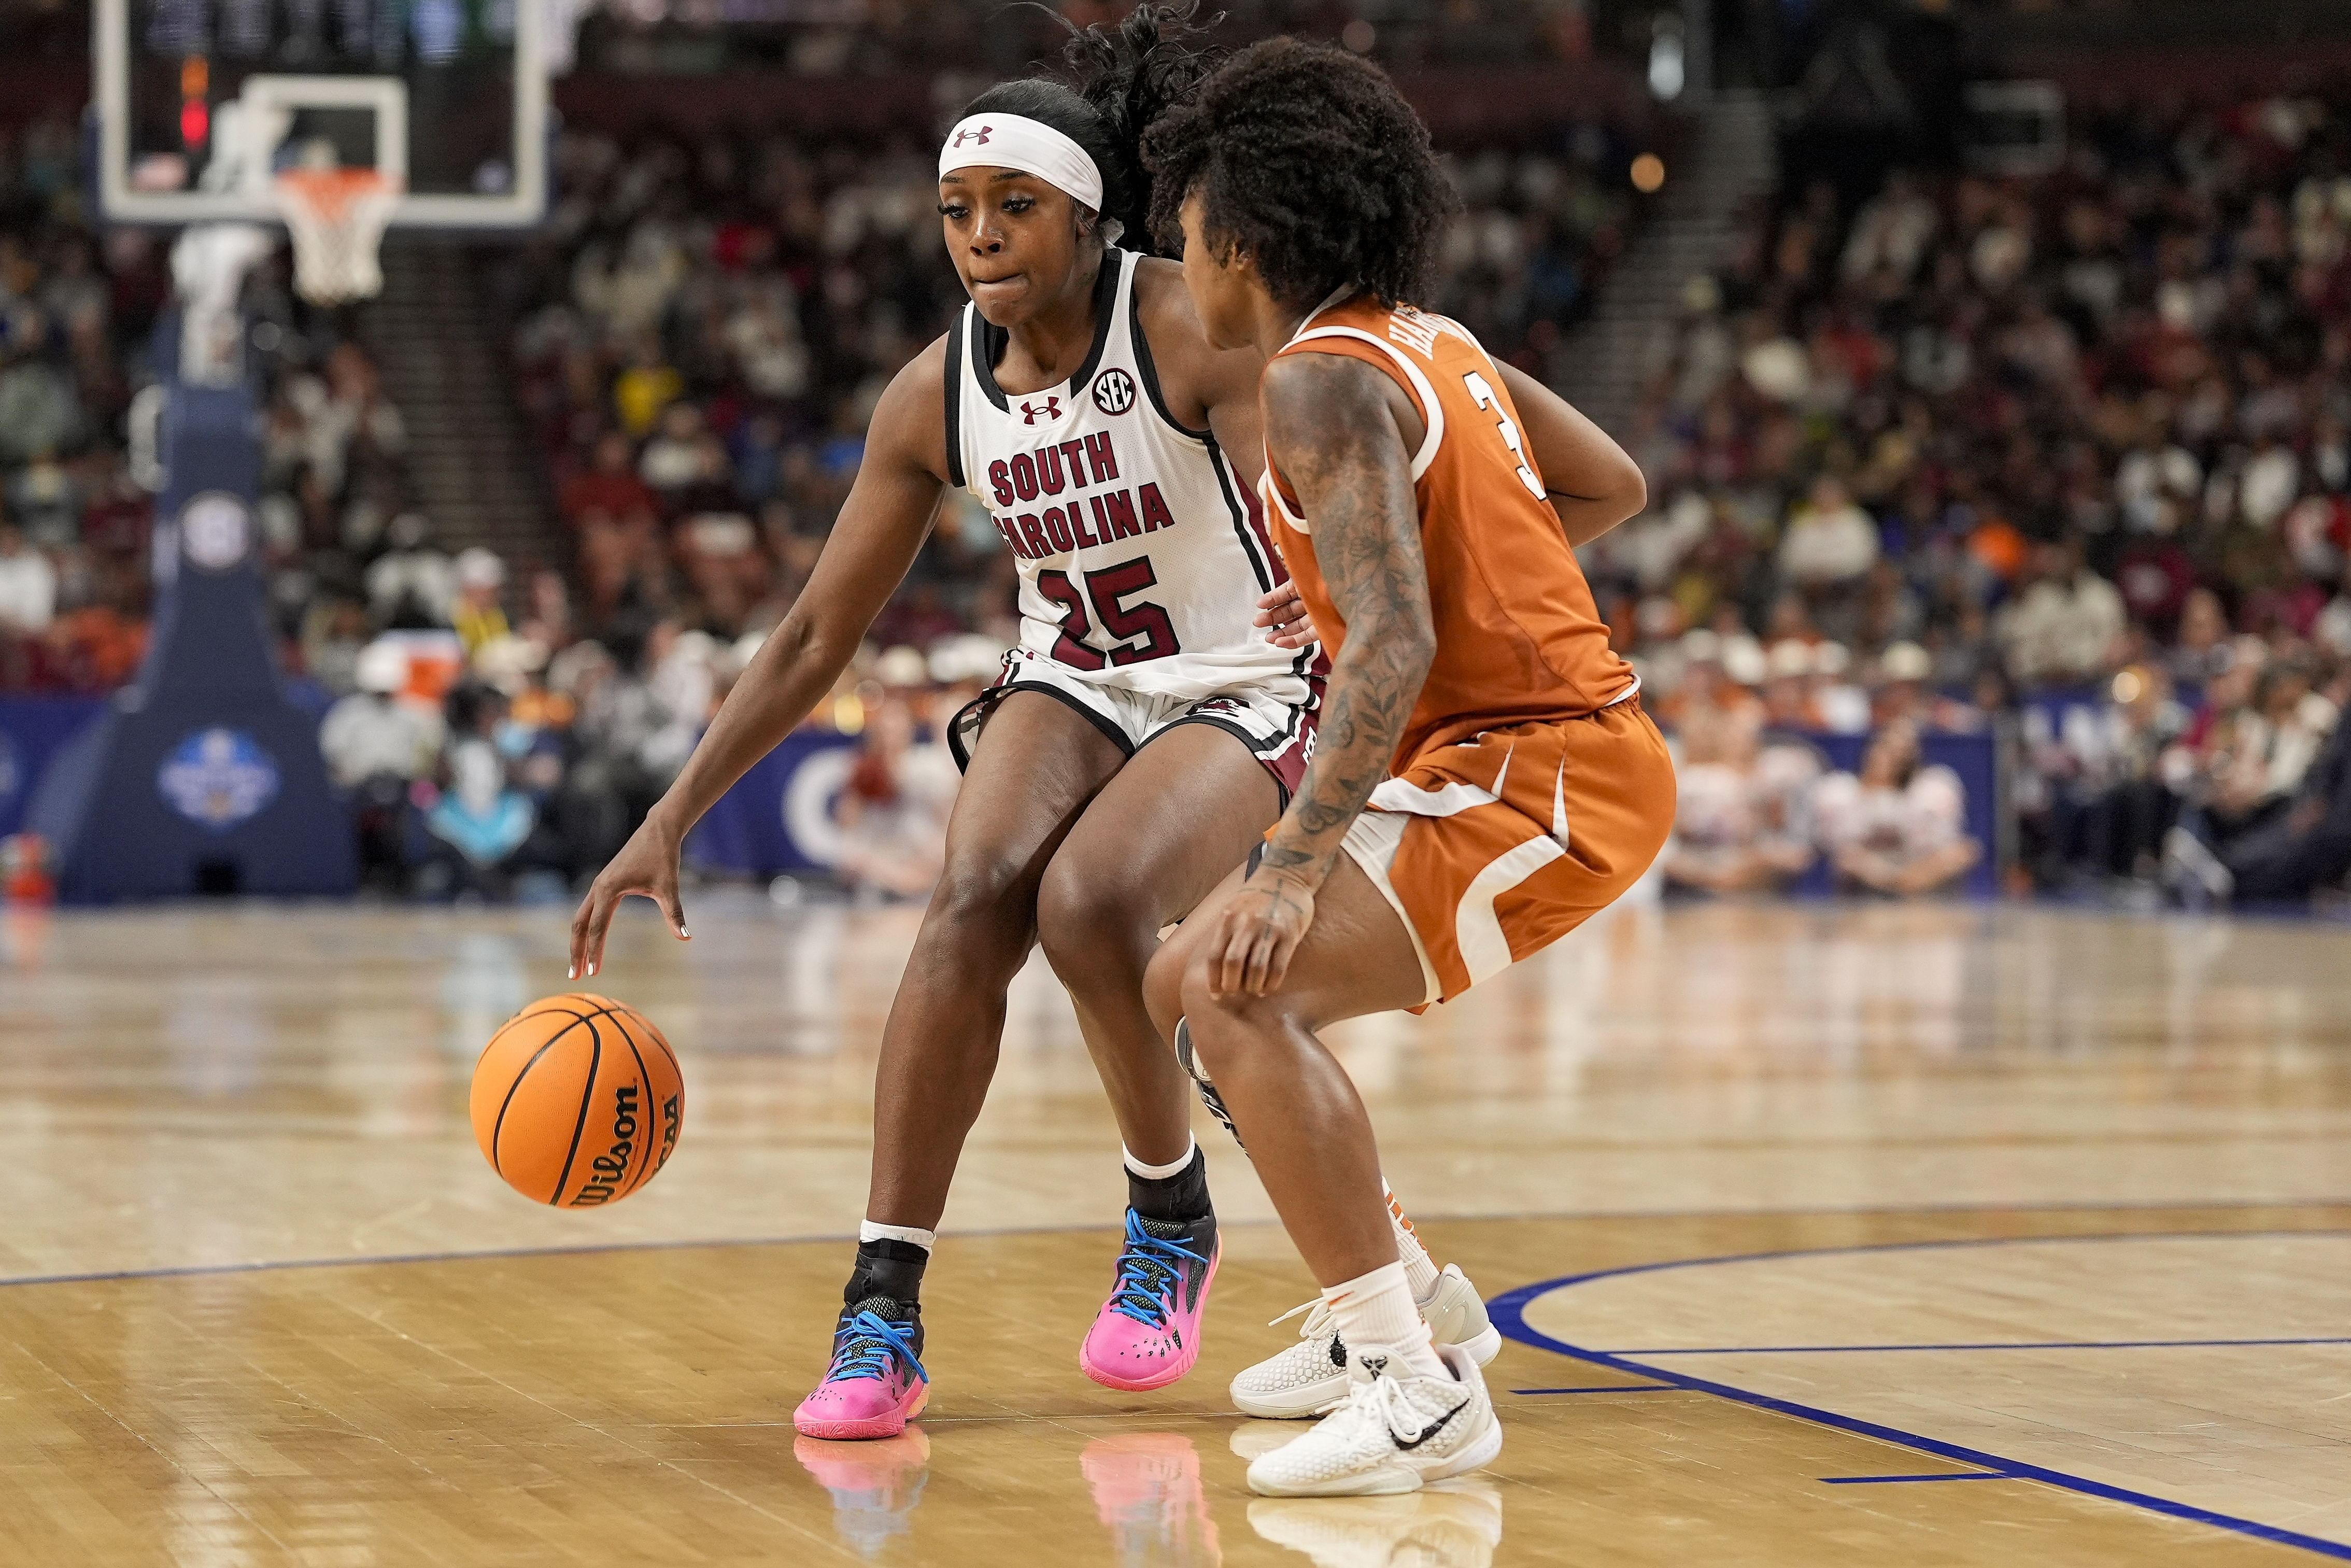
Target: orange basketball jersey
{"type": "Point", "coordinates": [1519, 639]}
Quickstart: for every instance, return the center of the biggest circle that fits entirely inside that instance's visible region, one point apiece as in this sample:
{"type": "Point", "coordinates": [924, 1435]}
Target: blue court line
{"type": "Point", "coordinates": [1508, 1312]}
{"type": "Point", "coordinates": [1938, 1476]}
{"type": "Point", "coordinates": [1989, 1344]}
{"type": "Point", "coordinates": [1607, 1389]}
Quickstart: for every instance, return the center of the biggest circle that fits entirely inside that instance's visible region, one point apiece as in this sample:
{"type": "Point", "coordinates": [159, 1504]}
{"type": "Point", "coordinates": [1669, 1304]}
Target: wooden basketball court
{"type": "Point", "coordinates": [1825, 1236]}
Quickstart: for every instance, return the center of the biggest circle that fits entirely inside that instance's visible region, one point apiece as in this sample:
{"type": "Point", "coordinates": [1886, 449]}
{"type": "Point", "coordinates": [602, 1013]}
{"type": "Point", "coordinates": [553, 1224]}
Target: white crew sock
{"type": "Point", "coordinates": [1377, 1308]}
{"type": "Point", "coordinates": [1160, 1173]}
{"type": "Point", "coordinates": [869, 1231]}
{"type": "Point", "coordinates": [1419, 1268]}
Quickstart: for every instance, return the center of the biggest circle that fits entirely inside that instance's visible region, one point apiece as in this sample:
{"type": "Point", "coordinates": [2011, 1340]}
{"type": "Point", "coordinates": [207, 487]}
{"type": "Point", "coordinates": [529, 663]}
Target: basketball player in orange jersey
{"type": "Point", "coordinates": [1484, 780]}
{"type": "Point", "coordinates": [1142, 735]}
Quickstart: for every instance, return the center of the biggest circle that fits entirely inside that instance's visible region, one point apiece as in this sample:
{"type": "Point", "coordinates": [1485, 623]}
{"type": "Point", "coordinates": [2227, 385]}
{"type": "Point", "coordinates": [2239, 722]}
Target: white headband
{"type": "Point", "coordinates": [1016, 141]}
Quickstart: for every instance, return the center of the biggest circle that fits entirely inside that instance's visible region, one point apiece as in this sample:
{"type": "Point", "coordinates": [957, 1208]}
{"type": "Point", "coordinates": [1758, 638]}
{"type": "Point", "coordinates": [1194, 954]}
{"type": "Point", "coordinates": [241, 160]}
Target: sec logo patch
{"type": "Point", "coordinates": [215, 531]}
{"type": "Point", "coordinates": [1114, 391]}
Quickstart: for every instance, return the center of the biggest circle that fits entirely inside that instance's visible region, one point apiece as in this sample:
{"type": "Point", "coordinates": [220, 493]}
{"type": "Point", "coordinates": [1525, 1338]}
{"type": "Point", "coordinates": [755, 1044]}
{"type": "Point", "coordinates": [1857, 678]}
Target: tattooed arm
{"type": "Point", "coordinates": [1592, 484]}
{"type": "Point", "coordinates": [1343, 434]}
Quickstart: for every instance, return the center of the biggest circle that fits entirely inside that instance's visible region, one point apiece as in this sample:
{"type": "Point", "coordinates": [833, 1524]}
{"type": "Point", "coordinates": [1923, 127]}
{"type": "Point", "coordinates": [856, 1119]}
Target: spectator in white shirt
{"type": "Point", "coordinates": [411, 583]}
{"type": "Point", "coordinates": [2266, 749]}
{"type": "Point", "coordinates": [1890, 233]}
{"type": "Point", "coordinates": [2332, 630]}
{"type": "Point", "coordinates": [372, 735]}
{"type": "Point", "coordinates": [678, 455]}
{"type": "Point", "coordinates": [1829, 539]}
{"type": "Point", "coordinates": [1899, 827]}
{"type": "Point", "coordinates": [28, 585]}
{"type": "Point", "coordinates": [1741, 823]}
{"type": "Point", "coordinates": [376, 746]}
{"type": "Point", "coordinates": [2062, 628]}
{"type": "Point", "coordinates": [2271, 482]}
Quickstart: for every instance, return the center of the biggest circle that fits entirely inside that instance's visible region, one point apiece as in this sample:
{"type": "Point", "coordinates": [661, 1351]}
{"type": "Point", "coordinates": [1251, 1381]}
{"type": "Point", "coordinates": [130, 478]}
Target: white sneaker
{"type": "Point", "coordinates": [1309, 1378]}
{"type": "Point", "coordinates": [1391, 1435]}
{"type": "Point", "coordinates": [1457, 1523]}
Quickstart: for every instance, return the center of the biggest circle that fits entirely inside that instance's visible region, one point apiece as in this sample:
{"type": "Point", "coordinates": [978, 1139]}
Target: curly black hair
{"type": "Point", "coordinates": [1125, 77]}
{"type": "Point", "coordinates": [1308, 158]}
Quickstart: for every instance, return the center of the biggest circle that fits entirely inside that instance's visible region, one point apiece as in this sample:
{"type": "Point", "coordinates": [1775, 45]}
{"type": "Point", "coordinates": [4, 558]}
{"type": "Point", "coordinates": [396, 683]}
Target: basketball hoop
{"type": "Point", "coordinates": [337, 217]}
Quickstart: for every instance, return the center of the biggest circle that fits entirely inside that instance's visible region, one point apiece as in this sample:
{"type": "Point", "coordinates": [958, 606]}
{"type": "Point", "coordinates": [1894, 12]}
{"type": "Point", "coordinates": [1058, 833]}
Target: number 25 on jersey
{"type": "Point", "coordinates": [1126, 622]}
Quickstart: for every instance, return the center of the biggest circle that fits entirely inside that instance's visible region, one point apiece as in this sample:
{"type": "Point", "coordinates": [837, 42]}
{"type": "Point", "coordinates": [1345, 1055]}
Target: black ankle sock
{"type": "Point", "coordinates": [889, 1267]}
{"type": "Point", "coordinates": [1177, 1198]}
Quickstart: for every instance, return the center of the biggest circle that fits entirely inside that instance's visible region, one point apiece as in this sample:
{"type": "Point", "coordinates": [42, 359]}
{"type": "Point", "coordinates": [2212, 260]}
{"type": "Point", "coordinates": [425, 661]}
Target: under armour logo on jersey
{"type": "Point", "coordinates": [1114, 391]}
{"type": "Point", "coordinates": [976, 138]}
{"type": "Point", "coordinates": [1031, 413]}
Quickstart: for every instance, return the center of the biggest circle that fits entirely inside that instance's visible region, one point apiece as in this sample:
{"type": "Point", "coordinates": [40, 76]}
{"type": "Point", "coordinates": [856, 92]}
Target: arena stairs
{"type": "Point", "coordinates": [444, 349]}
{"type": "Point", "coordinates": [1729, 163]}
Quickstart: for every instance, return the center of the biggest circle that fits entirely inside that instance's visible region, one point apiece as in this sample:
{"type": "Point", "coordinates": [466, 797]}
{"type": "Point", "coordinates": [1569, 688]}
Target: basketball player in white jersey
{"type": "Point", "coordinates": [1144, 734]}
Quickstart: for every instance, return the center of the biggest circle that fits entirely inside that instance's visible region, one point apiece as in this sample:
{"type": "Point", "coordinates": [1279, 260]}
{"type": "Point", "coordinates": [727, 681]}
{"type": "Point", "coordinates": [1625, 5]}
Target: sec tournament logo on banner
{"type": "Point", "coordinates": [219, 779]}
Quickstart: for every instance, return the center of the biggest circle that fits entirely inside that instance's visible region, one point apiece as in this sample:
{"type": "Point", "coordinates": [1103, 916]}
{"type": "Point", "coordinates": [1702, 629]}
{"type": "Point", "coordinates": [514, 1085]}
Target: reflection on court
{"type": "Point", "coordinates": [221, 1094]}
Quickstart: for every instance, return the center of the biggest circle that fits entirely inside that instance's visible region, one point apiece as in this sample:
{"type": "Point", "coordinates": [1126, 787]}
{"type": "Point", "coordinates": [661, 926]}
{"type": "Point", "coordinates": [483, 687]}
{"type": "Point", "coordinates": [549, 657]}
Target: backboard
{"type": "Point", "coordinates": [198, 103]}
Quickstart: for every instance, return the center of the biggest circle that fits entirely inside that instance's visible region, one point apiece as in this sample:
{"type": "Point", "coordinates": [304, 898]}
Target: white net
{"type": "Point", "coordinates": [337, 217]}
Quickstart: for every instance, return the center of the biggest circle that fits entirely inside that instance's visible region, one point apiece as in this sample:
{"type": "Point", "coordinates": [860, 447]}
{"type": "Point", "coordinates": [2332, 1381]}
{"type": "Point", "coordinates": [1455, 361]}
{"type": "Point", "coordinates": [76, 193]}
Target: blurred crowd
{"type": "Point", "coordinates": [73, 529]}
{"type": "Point", "coordinates": [704, 329]}
{"type": "Point", "coordinates": [2061, 460]}
{"type": "Point", "coordinates": [2064, 457]}
{"type": "Point", "coordinates": [868, 37]}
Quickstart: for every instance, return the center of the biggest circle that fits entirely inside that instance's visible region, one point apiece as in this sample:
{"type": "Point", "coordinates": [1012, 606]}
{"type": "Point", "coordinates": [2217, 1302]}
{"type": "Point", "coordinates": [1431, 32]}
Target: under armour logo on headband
{"type": "Point", "coordinates": [1015, 141]}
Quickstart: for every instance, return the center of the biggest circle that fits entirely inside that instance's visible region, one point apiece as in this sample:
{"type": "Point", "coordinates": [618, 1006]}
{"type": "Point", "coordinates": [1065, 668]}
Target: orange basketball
{"type": "Point", "coordinates": [577, 1101]}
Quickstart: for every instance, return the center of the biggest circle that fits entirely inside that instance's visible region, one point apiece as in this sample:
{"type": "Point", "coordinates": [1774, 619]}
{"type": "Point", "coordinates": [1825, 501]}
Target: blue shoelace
{"type": "Point", "coordinates": [1147, 1272]}
{"type": "Point", "coordinates": [862, 1347]}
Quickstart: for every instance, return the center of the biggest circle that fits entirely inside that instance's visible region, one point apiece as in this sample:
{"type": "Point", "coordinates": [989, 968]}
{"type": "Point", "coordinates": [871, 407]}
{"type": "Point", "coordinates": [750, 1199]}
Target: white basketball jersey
{"type": "Point", "coordinates": [1141, 562]}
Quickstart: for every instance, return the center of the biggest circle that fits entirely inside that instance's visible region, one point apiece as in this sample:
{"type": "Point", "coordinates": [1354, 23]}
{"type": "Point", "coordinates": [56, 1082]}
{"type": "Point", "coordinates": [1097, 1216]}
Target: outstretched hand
{"type": "Point", "coordinates": [647, 867]}
{"type": "Point", "coordinates": [1283, 614]}
{"type": "Point", "coordinates": [1256, 932]}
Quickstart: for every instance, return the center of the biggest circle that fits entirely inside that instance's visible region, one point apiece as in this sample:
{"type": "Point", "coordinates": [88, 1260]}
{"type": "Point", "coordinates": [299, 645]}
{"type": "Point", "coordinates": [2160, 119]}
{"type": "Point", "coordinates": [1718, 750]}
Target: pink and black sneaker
{"type": "Point", "coordinates": [876, 1383]}
{"type": "Point", "coordinates": [1148, 1334]}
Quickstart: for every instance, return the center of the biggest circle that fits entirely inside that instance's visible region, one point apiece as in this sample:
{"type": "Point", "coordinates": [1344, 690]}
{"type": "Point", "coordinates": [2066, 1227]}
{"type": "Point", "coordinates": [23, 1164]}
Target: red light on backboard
{"type": "Point", "coordinates": [195, 123]}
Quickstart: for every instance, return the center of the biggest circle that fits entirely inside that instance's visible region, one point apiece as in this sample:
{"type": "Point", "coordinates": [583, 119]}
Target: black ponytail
{"type": "Point", "coordinates": [1123, 76]}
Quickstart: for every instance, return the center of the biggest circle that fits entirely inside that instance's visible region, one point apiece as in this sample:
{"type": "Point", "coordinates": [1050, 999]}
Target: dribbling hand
{"type": "Point", "coordinates": [1256, 932]}
{"type": "Point", "coordinates": [1283, 614]}
{"type": "Point", "coordinates": [647, 867]}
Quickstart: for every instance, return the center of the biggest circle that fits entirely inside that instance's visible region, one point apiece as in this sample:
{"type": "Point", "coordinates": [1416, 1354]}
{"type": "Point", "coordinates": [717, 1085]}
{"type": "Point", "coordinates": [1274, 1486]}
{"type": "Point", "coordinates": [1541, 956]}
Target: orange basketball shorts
{"type": "Point", "coordinates": [1494, 849]}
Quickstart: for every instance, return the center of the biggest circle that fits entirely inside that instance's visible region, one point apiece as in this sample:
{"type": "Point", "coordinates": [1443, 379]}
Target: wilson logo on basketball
{"type": "Point", "coordinates": [611, 1167]}
{"type": "Point", "coordinates": [1114, 391]}
{"type": "Point", "coordinates": [669, 1134]}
